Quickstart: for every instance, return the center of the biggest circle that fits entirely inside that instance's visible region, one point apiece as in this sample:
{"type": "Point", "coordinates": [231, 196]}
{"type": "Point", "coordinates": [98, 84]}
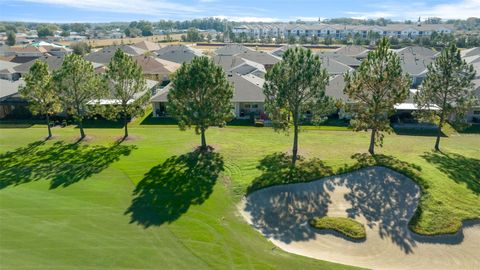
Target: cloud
{"type": "Point", "coordinates": [146, 7]}
{"type": "Point", "coordinates": [460, 9]}
{"type": "Point", "coordinates": [247, 18]}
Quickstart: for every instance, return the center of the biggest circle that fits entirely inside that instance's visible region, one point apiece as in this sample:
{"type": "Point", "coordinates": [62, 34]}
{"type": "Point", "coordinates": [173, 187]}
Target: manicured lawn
{"type": "Point", "coordinates": [152, 202]}
{"type": "Point", "coordinates": [346, 226]}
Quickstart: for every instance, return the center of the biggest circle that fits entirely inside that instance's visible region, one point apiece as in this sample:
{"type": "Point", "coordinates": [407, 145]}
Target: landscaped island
{"type": "Point", "coordinates": [345, 226]}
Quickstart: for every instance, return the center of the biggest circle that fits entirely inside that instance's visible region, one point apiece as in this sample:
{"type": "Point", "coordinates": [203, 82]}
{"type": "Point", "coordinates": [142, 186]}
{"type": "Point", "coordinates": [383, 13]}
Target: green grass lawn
{"type": "Point", "coordinates": [346, 226]}
{"type": "Point", "coordinates": [152, 202]}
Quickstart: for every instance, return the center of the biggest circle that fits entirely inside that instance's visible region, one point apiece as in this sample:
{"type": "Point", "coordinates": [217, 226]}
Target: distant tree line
{"type": "Point", "coordinates": [202, 24]}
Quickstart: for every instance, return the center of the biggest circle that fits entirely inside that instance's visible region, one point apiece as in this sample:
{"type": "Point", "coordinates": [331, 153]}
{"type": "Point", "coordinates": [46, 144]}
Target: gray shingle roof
{"type": "Point", "coordinates": [334, 67]}
{"type": "Point", "coordinates": [280, 51]}
{"type": "Point", "coordinates": [227, 61]}
{"type": "Point", "coordinates": [9, 88]}
{"type": "Point", "coordinates": [414, 65]}
{"type": "Point", "coordinates": [248, 88]}
{"type": "Point", "coordinates": [417, 51]}
{"type": "Point", "coordinates": [335, 88]}
{"type": "Point", "coordinates": [104, 55]}
{"type": "Point", "coordinates": [177, 53]}
{"type": "Point", "coordinates": [53, 62]}
{"type": "Point", "coordinates": [260, 57]}
{"type": "Point", "coordinates": [231, 49]}
{"type": "Point", "coordinates": [352, 50]}
{"type": "Point", "coordinates": [471, 52]}
{"type": "Point", "coordinates": [344, 59]}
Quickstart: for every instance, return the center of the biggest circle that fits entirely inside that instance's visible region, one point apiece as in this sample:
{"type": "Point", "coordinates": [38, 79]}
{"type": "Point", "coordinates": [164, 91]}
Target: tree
{"type": "Point", "coordinates": [375, 87]}
{"type": "Point", "coordinates": [193, 35]}
{"type": "Point", "coordinates": [78, 27]}
{"type": "Point", "coordinates": [80, 48]}
{"type": "Point", "coordinates": [39, 90]}
{"type": "Point", "coordinates": [447, 87]}
{"type": "Point", "coordinates": [77, 84]}
{"type": "Point", "coordinates": [294, 86]}
{"type": "Point", "coordinates": [127, 85]}
{"type": "Point", "coordinates": [200, 96]}
{"type": "Point", "coordinates": [45, 30]}
{"type": "Point", "coordinates": [146, 28]}
{"type": "Point", "coordinates": [10, 38]}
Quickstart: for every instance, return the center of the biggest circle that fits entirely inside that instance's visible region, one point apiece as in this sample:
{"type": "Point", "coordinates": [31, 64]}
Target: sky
{"type": "Point", "coordinates": [239, 10]}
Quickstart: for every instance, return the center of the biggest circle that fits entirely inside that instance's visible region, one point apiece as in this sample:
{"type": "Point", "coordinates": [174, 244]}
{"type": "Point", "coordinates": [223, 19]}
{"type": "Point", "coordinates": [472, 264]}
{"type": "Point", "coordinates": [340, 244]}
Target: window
{"type": "Point", "coordinates": [476, 112]}
{"type": "Point", "coordinates": [254, 106]}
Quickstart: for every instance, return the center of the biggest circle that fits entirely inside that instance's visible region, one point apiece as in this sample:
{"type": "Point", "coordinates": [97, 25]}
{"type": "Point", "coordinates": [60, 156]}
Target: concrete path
{"type": "Point", "coordinates": [381, 199]}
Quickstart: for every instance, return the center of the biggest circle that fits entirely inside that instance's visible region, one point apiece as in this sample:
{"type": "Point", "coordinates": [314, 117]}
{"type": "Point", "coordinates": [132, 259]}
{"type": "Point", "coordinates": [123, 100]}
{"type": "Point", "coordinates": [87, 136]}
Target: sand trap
{"type": "Point", "coordinates": [380, 198]}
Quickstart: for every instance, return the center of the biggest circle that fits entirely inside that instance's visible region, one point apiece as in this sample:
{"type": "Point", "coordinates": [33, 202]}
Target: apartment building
{"type": "Point", "coordinates": [340, 31]}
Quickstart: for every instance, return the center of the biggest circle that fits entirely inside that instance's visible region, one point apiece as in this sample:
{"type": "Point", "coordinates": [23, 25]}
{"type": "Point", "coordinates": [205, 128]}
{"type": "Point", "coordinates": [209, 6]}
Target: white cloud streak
{"type": "Point", "coordinates": [146, 7]}
{"type": "Point", "coordinates": [460, 9]}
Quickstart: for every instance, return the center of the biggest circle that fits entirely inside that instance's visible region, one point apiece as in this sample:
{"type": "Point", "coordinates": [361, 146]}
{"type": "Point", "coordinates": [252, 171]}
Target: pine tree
{"type": "Point", "coordinates": [447, 91]}
{"type": "Point", "coordinates": [127, 85]}
{"type": "Point", "coordinates": [200, 96]}
{"type": "Point", "coordinates": [40, 92]}
{"type": "Point", "coordinates": [375, 87]}
{"type": "Point", "coordinates": [77, 85]}
{"type": "Point", "coordinates": [294, 86]}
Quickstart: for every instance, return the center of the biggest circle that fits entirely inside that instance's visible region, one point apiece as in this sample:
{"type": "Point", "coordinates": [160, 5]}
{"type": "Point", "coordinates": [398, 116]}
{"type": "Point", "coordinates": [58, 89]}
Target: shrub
{"type": "Point", "coordinates": [345, 226]}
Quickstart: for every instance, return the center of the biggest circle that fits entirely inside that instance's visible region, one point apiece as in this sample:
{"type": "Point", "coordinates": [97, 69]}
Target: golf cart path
{"type": "Point", "coordinates": [380, 198]}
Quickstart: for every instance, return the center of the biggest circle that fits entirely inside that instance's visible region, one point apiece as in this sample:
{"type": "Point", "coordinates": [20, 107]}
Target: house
{"type": "Point", "coordinates": [249, 67]}
{"type": "Point", "coordinates": [334, 67]}
{"type": "Point", "coordinates": [227, 62]}
{"type": "Point", "coordinates": [58, 51]}
{"type": "Point", "coordinates": [248, 98]}
{"type": "Point", "coordinates": [177, 53]}
{"type": "Point", "coordinates": [30, 51]}
{"type": "Point", "coordinates": [355, 51]}
{"type": "Point", "coordinates": [280, 51]}
{"type": "Point", "coordinates": [341, 58]}
{"type": "Point", "coordinates": [151, 86]}
{"type": "Point", "coordinates": [473, 115]}
{"type": "Point", "coordinates": [231, 49]}
{"type": "Point", "coordinates": [261, 57]}
{"type": "Point", "coordinates": [147, 46]}
{"type": "Point", "coordinates": [421, 52]}
{"type": "Point", "coordinates": [104, 55]}
{"type": "Point", "coordinates": [11, 103]}
{"type": "Point", "coordinates": [470, 52]}
{"type": "Point", "coordinates": [155, 68]}
{"type": "Point", "coordinates": [53, 62]}
{"type": "Point", "coordinates": [6, 51]}
{"type": "Point", "coordinates": [7, 71]}
{"type": "Point", "coordinates": [415, 65]}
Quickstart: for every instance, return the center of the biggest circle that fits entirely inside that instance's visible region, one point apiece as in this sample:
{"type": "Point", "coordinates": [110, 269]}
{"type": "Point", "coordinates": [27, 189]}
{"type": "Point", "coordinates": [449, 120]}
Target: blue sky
{"type": "Point", "coordinates": [248, 10]}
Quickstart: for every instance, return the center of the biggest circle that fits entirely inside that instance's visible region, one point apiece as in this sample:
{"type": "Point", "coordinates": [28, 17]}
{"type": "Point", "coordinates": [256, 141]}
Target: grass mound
{"type": "Point", "coordinates": [346, 226]}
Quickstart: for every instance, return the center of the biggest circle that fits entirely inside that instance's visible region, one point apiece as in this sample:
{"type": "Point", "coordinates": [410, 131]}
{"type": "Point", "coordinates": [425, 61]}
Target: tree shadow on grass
{"type": "Point", "coordinates": [168, 190]}
{"type": "Point", "coordinates": [277, 169]}
{"type": "Point", "coordinates": [459, 168]}
{"type": "Point", "coordinates": [62, 164]}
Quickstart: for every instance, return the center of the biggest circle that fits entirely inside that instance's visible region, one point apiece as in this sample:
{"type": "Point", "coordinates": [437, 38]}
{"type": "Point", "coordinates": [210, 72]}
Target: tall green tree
{"type": "Point", "coordinates": [200, 96]}
{"type": "Point", "coordinates": [77, 85]}
{"type": "Point", "coordinates": [40, 92]}
{"type": "Point", "coordinates": [294, 86]}
{"type": "Point", "coordinates": [10, 38]}
{"type": "Point", "coordinates": [127, 85]}
{"type": "Point", "coordinates": [374, 88]}
{"type": "Point", "coordinates": [447, 91]}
